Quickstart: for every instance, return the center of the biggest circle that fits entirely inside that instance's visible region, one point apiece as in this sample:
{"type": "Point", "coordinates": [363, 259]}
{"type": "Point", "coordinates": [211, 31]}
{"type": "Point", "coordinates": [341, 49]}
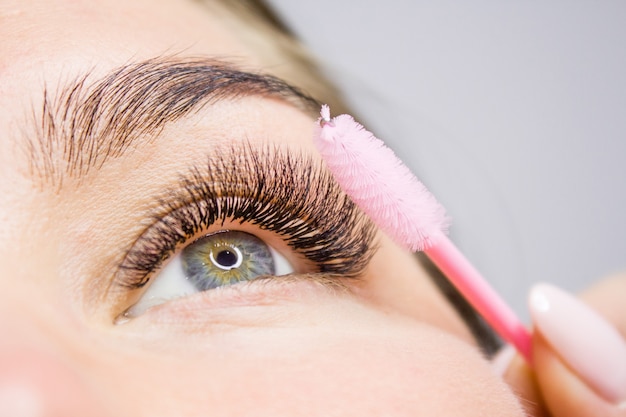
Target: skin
{"type": "Point", "coordinates": [390, 345]}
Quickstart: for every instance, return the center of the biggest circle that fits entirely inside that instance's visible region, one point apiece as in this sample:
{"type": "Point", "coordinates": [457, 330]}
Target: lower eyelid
{"type": "Point", "coordinates": [239, 303]}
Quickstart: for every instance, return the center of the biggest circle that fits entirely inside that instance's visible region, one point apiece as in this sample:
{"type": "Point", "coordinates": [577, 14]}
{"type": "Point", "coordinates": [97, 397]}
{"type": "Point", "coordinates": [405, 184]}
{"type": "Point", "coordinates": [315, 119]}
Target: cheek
{"type": "Point", "coordinates": [400, 284]}
{"type": "Point", "coordinates": [382, 367]}
{"type": "Point", "coordinates": [33, 382]}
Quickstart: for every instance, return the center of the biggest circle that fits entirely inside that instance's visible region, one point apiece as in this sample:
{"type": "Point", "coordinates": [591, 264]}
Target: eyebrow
{"type": "Point", "coordinates": [88, 122]}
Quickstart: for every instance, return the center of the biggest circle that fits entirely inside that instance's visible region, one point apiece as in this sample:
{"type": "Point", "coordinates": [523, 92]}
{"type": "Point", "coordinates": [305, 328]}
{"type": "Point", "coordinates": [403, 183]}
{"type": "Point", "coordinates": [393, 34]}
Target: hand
{"type": "Point", "coordinates": [579, 353]}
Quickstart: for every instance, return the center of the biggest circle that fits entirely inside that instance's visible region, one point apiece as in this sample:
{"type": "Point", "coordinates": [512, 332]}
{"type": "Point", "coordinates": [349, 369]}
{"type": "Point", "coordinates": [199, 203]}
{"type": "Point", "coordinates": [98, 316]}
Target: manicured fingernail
{"type": "Point", "coordinates": [585, 341]}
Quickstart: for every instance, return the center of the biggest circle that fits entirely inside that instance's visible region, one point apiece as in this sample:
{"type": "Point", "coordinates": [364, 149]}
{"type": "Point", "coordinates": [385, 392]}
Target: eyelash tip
{"type": "Point", "coordinates": [270, 187]}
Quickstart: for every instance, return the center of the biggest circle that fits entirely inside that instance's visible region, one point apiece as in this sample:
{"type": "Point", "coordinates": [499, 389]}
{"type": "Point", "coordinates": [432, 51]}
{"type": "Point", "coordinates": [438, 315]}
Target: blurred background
{"type": "Point", "coordinates": [512, 113]}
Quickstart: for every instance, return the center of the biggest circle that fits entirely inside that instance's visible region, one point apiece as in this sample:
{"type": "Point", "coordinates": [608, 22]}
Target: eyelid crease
{"type": "Point", "coordinates": [274, 189]}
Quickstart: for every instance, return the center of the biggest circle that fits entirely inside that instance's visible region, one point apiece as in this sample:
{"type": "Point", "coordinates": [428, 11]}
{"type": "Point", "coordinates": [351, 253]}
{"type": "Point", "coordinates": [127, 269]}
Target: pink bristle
{"type": "Point", "coordinates": [384, 188]}
{"type": "Point", "coordinates": [379, 183]}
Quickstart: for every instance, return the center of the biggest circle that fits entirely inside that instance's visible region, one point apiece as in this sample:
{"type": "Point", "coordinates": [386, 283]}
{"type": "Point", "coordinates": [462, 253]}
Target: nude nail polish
{"type": "Point", "coordinates": [586, 342]}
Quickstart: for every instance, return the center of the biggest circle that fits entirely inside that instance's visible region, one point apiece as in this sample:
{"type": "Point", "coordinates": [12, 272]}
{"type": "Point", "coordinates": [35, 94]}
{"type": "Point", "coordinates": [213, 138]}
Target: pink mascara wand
{"type": "Point", "coordinates": [386, 190]}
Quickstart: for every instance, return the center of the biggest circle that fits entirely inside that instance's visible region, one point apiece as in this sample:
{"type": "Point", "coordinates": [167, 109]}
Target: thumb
{"type": "Point", "coordinates": [579, 358]}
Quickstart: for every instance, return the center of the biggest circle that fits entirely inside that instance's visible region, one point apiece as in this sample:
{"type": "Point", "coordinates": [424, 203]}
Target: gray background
{"type": "Point", "coordinates": [512, 113]}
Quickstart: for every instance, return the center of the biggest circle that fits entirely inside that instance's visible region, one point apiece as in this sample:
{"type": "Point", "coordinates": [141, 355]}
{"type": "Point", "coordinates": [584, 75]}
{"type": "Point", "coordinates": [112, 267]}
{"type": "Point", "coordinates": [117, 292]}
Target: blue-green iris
{"type": "Point", "coordinates": [226, 257]}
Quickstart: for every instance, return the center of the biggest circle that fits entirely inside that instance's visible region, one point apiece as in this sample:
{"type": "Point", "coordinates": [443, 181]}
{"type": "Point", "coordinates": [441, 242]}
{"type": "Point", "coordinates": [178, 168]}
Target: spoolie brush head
{"type": "Point", "coordinates": [379, 183]}
{"type": "Point", "coordinates": [385, 189]}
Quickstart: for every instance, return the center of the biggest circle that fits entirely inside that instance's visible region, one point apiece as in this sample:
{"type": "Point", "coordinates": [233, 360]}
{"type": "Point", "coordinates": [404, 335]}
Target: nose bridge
{"type": "Point", "coordinates": [39, 378]}
{"type": "Point", "coordinates": [34, 382]}
{"type": "Point", "coordinates": [40, 374]}
{"type": "Point", "coordinates": [27, 317]}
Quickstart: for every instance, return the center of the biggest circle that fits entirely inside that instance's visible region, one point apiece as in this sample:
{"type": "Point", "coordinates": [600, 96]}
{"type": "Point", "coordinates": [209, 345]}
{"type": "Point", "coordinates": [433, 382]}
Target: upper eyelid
{"type": "Point", "coordinates": [268, 178]}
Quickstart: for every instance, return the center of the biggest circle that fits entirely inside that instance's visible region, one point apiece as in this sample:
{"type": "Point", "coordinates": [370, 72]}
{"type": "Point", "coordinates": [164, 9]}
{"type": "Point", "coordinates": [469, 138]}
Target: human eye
{"type": "Point", "coordinates": [221, 225]}
{"type": "Point", "coordinates": [222, 258]}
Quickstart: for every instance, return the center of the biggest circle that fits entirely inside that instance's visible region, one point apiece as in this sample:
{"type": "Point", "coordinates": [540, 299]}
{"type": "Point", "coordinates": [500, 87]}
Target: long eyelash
{"type": "Point", "coordinates": [275, 190]}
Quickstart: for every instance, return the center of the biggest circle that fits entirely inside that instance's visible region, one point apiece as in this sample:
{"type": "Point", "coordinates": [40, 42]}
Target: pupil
{"type": "Point", "coordinates": [226, 258]}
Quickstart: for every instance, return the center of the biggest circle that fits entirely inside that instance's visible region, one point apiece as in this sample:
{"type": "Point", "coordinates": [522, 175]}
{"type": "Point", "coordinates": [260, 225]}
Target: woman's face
{"type": "Point", "coordinates": [119, 165]}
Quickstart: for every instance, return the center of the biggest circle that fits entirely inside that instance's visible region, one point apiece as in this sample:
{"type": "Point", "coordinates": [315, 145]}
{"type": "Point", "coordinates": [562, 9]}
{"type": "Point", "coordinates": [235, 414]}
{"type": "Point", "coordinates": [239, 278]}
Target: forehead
{"type": "Point", "coordinates": [47, 28]}
{"type": "Point", "coordinates": [46, 42]}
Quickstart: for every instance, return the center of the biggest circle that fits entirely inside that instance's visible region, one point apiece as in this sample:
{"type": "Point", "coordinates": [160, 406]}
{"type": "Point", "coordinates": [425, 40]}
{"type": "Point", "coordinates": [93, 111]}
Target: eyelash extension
{"type": "Point", "coordinates": [275, 190]}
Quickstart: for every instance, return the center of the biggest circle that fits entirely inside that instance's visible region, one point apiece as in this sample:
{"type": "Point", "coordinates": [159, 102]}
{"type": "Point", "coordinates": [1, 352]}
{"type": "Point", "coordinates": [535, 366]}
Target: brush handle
{"type": "Point", "coordinates": [480, 294]}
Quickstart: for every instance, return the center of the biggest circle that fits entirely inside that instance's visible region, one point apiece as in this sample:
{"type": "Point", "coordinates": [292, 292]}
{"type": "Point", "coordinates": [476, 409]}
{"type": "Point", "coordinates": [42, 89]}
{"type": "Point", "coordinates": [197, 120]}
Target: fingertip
{"type": "Point", "coordinates": [563, 391]}
{"type": "Point", "coordinates": [589, 345]}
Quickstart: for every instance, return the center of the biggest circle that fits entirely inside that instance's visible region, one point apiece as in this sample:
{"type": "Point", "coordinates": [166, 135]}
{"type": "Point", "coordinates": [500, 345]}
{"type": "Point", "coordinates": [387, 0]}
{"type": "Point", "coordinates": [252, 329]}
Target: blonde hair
{"type": "Point", "coordinates": [281, 53]}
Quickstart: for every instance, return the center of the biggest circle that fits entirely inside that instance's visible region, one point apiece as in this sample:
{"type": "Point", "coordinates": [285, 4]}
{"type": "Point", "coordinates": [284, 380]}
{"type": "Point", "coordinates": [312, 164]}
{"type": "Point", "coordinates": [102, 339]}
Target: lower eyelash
{"type": "Point", "coordinates": [286, 194]}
